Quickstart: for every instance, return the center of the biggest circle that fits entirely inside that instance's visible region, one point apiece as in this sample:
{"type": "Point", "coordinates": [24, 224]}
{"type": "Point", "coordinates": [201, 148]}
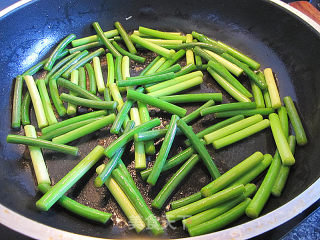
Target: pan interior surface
{"type": "Point", "coordinates": [266, 33]}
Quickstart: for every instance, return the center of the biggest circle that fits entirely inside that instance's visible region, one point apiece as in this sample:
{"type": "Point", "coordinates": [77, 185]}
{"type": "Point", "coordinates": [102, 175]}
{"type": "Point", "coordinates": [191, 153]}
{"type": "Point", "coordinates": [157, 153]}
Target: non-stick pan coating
{"type": "Point", "coordinates": [265, 32]}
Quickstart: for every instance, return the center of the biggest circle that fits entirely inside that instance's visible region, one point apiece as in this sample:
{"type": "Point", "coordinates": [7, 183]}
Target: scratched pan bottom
{"type": "Point", "coordinates": [241, 24]}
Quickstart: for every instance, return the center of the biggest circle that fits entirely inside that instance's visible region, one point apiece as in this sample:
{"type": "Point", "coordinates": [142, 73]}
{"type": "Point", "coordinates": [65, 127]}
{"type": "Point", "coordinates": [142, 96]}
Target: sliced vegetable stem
{"type": "Point", "coordinates": [38, 162]}
{"type": "Point", "coordinates": [36, 101]}
{"type": "Point", "coordinates": [61, 187]}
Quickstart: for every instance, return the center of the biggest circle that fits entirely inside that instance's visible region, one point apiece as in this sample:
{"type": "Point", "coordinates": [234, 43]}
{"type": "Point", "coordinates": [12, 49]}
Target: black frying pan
{"type": "Point", "coordinates": [269, 33]}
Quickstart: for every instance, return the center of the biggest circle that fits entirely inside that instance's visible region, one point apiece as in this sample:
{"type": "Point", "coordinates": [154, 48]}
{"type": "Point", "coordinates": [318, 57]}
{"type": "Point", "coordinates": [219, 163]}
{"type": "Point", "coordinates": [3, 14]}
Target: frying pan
{"type": "Point", "coordinates": [269, 31]}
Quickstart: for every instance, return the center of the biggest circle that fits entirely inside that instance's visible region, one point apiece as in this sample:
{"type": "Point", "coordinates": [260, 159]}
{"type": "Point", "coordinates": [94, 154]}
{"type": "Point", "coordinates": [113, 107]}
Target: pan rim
{"type": "Point", "coordinates": [253, 228]}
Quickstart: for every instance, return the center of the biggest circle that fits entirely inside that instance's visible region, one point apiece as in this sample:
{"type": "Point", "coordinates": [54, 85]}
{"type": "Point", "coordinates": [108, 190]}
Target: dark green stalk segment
{"type": "Point", "coordinates": [65, 129]}
{"type": "Point", "coordinates": [33, 70]}
{"type": "Point", "coordinates": [107, 97]}
{"type": "Point", "coordinates": [110, 166]}
{"type": "Point", "coordinates": [18, 139]}
{"type": "Point", "coordinates": [106, 173]}
{"type": "Point", "coordinates": [252, 76]}
{"type": "Point", "coordinates": [164, 151]}
{"type": "Point", "coordinates": [281, 140]}
{"type": "Point", "coordinates": [46, 102]}
{"type": "Point", "coordinates": [125, 37]}
{"type": "Point", "coordinates": [86, 46]}
{"type": "Point", "coordinates": [261, 197]}
{"type": "Point", "coordinates": [84, 130]}
{"type": "Point", "coordinates": [171, 163]}
{"type": "Point", "coordinates": [240, 56]}
{"type": "Point", "coordinates": [78, 208]}
{"type": "Point", "coordinates": [266, 95]}
{"type": "Point", "coordinates": [283, 117]}
{"type": "Point", "coordinates": [77, 57]}
{"type": "Point", "coordinates": [92, 79]}
{"type": "Point", "coordinates": [295, 121]}
{"type": "Point", "coordinates": [145, 117]}
{"type": "Point", "coordinates": [186, 69]}
{"type": "Point", "coordinates": [203, 38]}
{"type": "Point", "coordinates": [54, 55]}
{"type": "Point", "coordinates": [138, 202]}
{"type": "Point", "coordinates": [150, 135]}
{"type": "Point", "coordinates": [174, 68]}
{"type": "Point", "coordinates": [174, 181]}
{"type": "Point", "coordinates": [283, 174]}
{"type": "Point", "coordinates": [255, 171]}
{"type": "Point", "coordinates": [59, 65]}
{"type": "Point", "coordinates": [123, 139]}
{"type": "Point", "coordinates": [220, 221]}
{"type": "Point", "coordinates": [54, 92]}
{"type": "Point", "coordinates": [205, 203]}
{"type": "Point", "coordinates": [122, 115]}
{"type": "Point", "coordinates": [198, 60]}
{"type": "Point", "coordinates": [196, 113]}
{"type": "Point", "coordinates": [172, 61]}
{"type": "Point", "coordinates": [16, 103]}
{"type": "Point", "coordinates": [61, 187]}
{"type": "Point", "coordinates": [73, 108]}
{"type": "Point", "coordinates": [73, 120]}
{"type": "Point", "coordinates": [235, 93]}
{"type": "Point", "coordinates": [173, 109]}
{"type": "Point", "coordinates": [221, 70]}
{"type": "Point", "coordinates": [217, 126]}
{"type": "Point", "coordinates": [200, 148]}
{"type": "Point", "coordinates": [185, 201]}
{"type": "Point", "coordinates": [235, 137]}
{"type": "Point", "coordinates": [220, 209]}
{"type": "Point", "coordinates": [160, 34]}
{"type": "Point", "coordinates": [82, 78]}
{"type": "Point", "coordinates": [83, 61]}
{"type": "Point", "coordinates": [114, 161]}
{"type": "Point", "coordinates": [88, 103]}
{"type": "Point", "coordinates": [118, 71]}
{"type": "Point", "coordinates": [228, 107]}
{"type": "Point", "coordinates": [267, 99]}
{"type": "Point", "coordinates": [257, 95]}
{"type": "Point", "coordinates": [145, 80]}
{"type": "Point", "coordinates": [231, 175]}
{"type": "Point", "coordinates": [246, 113]}
{"type": "Point", "coordinates": [122, 167]}
{"type": "Point", "coordinates": [146, 69]}
{"type": "Point", "coordinates": [36, 68]}
{"type": "Point", "coordinates": [130, 55]}
{"type": "Point", "coordinates": [77, 90]}
{"type": "Point", "coordinates": [152, 47]}
{"type": "Point", "coordinates": [105, 40]}
{"type": "Point", "coordinates": [94, 38]}
{"type": "Point", "coordinates": [186, 98]}
{"type": "Point", "coordinates": [262, 77]}
{"type": "Point", "coordinates": [25, 109]}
